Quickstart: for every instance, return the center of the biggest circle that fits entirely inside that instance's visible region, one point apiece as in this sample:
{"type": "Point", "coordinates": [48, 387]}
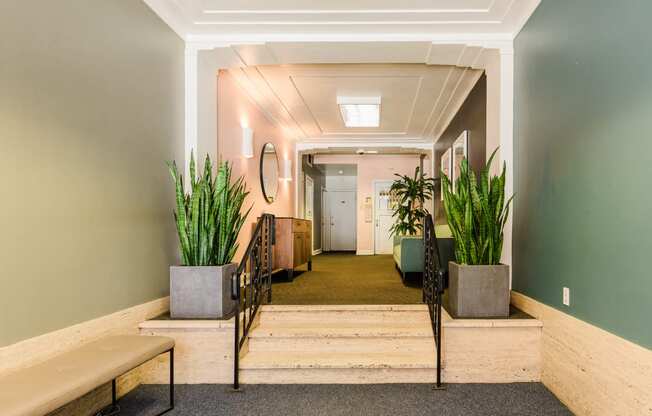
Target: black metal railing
{"type": "Point", "coordinates": [251, 285]}
{"type": "Point", "coordinates": [433, 286]}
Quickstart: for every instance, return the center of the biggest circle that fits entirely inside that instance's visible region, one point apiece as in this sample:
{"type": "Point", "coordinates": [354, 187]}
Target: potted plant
{"type": "Point", "coordinates": [410, 195]}
{"type": "Point", "coordinates": [476, 213]}
{"type": "Point", "coordinates": [208, 222]}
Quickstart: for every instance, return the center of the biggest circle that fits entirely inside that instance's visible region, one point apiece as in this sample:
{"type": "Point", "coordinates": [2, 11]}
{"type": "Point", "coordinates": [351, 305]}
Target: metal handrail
{"type": "Point", "coordinates": [251, 285]}
{"type": "Point", "coordinates": [433, 287]}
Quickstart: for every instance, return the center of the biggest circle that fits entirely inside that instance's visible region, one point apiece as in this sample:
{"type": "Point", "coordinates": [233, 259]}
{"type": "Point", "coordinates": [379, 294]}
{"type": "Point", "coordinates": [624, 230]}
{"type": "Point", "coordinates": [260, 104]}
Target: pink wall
{"type": "Point", "coordinates": [370, 168]}
{"type": "Point", "coordinates": [235, 109]}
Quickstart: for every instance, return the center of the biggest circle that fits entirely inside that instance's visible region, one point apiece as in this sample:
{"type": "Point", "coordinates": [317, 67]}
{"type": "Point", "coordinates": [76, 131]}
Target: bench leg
{"type": "Point", "coordinates": [113, 408]}
{"type": "Point", "coordinates": [171, 384]}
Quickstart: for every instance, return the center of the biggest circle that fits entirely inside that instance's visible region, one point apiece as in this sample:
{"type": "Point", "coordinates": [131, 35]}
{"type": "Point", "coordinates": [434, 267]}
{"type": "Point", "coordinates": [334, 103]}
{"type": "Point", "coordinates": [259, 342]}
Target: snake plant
{"type": "Point", "coordinates": [476, 213]}
{"type": "Point", "coordinates": [208, 218]}
{"type": "Point", "coordinates": [411, 194]}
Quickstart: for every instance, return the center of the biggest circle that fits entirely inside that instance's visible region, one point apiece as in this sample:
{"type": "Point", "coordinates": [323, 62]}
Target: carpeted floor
{"type": "Point", "coordinates": [347, 279]}
{"type": "Point", "coordinates": [522, 399]}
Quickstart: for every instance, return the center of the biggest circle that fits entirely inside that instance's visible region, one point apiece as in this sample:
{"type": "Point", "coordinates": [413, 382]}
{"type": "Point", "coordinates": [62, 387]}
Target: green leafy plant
{"type": "Point", "coordinates": [208, 219]}
{"type": "Point", "coordinates": [411, 195]}
{"type": "Point", "coordinates": [476, 213]}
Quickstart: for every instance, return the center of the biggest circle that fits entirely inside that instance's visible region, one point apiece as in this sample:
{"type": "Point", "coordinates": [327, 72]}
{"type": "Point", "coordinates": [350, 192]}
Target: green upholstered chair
{"type": "Point", "coordinates": [408, 250]}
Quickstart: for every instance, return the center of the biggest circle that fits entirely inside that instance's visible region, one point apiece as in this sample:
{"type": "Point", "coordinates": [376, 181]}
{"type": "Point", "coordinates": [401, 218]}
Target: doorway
{"type": "Point", "coordinates": [341, 220]}
{"type": "Point", "coordinates": [383, 219]}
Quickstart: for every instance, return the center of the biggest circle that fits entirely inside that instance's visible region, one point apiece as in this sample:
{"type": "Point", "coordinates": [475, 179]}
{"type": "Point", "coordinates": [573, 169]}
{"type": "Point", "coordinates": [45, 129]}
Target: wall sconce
{"type": "Point", "coordinates": [247, 142]}
{"type": "Point", "coordinates": [287, 170]}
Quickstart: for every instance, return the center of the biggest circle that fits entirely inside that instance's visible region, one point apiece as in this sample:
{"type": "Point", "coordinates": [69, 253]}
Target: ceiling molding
{"type": "Point", "coordinates": [279, 20]}
{"type": "Point", "coordinates": [417, 99]}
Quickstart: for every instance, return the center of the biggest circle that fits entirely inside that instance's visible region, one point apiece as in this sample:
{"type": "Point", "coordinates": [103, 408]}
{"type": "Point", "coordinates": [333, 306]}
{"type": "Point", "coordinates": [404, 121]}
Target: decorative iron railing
{"type": "Point", "coordinates": [251, 285]}
{"type": "Point", "coordinates": [433, 286]}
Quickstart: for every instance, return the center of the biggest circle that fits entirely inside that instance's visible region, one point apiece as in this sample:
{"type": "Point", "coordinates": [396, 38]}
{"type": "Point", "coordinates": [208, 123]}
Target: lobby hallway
{"type": "Point", "coordinates": [347, 279]}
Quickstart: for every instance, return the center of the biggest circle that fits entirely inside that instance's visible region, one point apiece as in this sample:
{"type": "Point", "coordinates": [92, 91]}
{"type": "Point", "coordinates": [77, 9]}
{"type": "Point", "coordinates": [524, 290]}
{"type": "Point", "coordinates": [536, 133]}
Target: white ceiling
{"type": "Point", "coordinates": [235, 18]}
{"type": "Point", "coordinates": [418, 100]}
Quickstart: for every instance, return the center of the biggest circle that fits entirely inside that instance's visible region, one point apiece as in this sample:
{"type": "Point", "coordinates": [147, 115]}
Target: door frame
{"type": "Point", "coordinates": [375, 208]}
{"type": "Point", "coordinates": [312, 209]}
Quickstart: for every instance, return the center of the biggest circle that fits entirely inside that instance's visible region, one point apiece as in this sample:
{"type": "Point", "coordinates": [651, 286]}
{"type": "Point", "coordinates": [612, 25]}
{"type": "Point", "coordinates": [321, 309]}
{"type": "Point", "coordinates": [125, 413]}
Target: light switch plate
{"type": "Point", "coordinates": [566, 296]}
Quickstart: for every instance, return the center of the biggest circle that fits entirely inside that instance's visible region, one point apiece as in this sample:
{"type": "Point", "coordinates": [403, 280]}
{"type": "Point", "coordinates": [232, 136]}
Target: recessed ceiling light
{"type": "Point", "coordinates": [360, 111]}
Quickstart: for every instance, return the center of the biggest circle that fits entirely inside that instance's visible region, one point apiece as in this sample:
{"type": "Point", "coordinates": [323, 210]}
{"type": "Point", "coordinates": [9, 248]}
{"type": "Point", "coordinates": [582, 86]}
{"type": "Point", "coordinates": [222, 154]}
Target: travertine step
{"type": "Point", "coordinates": [343, 330]}
{"type": "Point", "coordinates": [342, 338]}
{"type": "Point", "coordinates": [358, 314]}
{"type": "Point", "coordinates": [341, 344]}
{"type": "Point", "coordinates": [324, 360]}
{"type": "Point", "coordinates": [343, 368]}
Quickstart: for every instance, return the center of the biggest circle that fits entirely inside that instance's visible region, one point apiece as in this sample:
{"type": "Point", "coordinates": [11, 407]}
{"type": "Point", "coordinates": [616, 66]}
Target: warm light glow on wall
{"type": "Point", "coordinates": [286, 173]}
{"type": "Point", "coordinates": [247, 142]}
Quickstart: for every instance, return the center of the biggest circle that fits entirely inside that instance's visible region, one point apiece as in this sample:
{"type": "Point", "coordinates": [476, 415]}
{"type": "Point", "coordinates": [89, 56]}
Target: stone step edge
{"type": "Point", "coordinates": [344, 308]}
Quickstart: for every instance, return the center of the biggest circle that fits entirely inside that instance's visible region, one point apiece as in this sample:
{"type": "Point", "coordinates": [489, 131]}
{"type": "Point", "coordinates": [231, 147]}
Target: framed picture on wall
{"type": "Point", "coordinates": [446, 163]}
{"type": "Point", "coordinates": [460, 151]}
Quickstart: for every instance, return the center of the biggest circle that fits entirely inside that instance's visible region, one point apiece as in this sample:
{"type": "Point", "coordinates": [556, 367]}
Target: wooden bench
{"type": "Point", "coordinates": [43, 388]}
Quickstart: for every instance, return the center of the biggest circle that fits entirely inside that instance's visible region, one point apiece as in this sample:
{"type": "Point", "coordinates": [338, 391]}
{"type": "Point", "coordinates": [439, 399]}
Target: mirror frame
{"type": "Point", "coordinates": [268, 199]}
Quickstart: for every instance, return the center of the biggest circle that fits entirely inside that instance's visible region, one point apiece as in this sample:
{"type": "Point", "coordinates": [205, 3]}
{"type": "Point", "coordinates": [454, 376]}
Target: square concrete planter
{"type": "Point", "coordinates": [478, 291]}
{"type": "Point", "coordinates": [201, 292]}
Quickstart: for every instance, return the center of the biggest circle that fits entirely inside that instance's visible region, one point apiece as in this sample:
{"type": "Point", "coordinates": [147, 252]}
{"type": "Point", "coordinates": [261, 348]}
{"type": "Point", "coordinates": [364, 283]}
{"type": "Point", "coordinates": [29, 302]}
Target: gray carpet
{"type": "Point", "coordinates": [326, 400]}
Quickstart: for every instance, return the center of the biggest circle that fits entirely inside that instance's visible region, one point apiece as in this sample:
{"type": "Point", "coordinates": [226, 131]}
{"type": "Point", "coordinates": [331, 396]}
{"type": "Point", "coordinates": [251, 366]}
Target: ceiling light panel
{"type": "Point", "coordinates": [360, 111]}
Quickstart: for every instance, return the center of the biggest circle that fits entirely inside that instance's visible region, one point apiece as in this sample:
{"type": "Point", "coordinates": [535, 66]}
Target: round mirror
{"type": "Point", "coordinates": [269, 172]}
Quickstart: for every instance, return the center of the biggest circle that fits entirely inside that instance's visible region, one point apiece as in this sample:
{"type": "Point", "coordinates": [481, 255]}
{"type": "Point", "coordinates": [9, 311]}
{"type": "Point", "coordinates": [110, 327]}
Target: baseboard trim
{"type": "Point", "coordinates": [315, 252]}
{"type": "Point", "coordinates": [592, 371]}
{"type": "Point", "coordinates": [364, 253]}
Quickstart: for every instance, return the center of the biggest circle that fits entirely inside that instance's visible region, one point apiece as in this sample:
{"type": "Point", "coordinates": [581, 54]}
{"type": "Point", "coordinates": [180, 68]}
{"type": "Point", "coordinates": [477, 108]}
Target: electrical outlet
{"type": "Point", "coordinates": [566, 296]}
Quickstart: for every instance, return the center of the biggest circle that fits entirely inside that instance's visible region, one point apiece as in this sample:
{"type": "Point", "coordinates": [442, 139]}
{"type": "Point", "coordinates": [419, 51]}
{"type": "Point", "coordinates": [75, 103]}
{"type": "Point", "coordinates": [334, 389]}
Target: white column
{"type": "Point", "coordinates": [206, 96]}
{"type": "Point", "coordinates": [190, 103]}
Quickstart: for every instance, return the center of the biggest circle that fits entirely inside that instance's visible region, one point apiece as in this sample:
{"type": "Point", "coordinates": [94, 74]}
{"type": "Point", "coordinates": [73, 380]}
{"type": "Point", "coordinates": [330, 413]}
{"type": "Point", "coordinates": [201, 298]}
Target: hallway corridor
{"type": "Point", "coordinates": [347, 279]}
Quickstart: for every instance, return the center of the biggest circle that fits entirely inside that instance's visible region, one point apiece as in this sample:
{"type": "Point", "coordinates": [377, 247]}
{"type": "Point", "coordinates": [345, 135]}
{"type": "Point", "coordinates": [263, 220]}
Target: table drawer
{"type": "Point", "coordinates": [301, 226]}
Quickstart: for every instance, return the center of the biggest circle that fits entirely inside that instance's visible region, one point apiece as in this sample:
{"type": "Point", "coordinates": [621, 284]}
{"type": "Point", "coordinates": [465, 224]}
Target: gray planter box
{"type": "Point", "coordinates": [478, 291]}
{"type": "Point", "coordinates": [201, 292]}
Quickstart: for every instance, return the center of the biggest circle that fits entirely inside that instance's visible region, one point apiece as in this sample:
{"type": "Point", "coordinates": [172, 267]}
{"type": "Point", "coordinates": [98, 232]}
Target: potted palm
{"type": "Point", "coordinates": [208, 222]}
{"type": "Point", "coordinates": [476, 213]}
{"type": "Point", "coordinates": [410, 195]}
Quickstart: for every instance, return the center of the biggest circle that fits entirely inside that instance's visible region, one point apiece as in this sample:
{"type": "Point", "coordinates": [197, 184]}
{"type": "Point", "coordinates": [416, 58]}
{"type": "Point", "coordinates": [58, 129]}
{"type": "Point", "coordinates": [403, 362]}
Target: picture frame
{"type": "Point", "coordinates": [460, 151]}
{"type": "Point", "coordinates": [446, 166]}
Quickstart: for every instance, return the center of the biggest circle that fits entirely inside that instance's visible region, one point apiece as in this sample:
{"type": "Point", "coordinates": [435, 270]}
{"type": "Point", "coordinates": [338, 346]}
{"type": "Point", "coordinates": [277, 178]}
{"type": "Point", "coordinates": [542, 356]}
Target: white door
{"type": "Point", "coordinates": [309, 206]}
{"type": "Point", "coordinates": [383, 219]}
{"type": "Point", "coordinates": [342, 220]}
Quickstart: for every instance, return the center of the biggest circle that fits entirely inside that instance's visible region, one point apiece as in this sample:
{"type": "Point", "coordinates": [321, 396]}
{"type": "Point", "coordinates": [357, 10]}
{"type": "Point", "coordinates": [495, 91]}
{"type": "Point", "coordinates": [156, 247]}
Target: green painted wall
{"type": "Point", "coordinates": [91, 105]}
{"type": "Point", "coordinates": [583, 162]}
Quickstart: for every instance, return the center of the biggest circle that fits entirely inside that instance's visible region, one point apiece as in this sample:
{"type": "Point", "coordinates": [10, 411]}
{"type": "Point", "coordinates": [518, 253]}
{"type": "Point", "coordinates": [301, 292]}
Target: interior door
{"type": "Point", "coordinates": [309, 206]}
{"type": "Point", "coordinates": [343, 220]}
{"type": "Point", "coordinates": [383, 219]}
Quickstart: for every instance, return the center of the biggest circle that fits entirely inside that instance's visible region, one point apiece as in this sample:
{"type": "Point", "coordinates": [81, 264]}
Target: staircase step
{"type": "Point", "coordinates": [340, 344]}
{"type": "Point", "coordinates": [341, 368]}
{"type": "Point", "coordinates": [312, 360]}
{"type": "Point", "coordinates": [359, 314]}
{"type": "Point", "coordinates": [343, 344]}
{"type": "Point", "coordinates": [341, 330]}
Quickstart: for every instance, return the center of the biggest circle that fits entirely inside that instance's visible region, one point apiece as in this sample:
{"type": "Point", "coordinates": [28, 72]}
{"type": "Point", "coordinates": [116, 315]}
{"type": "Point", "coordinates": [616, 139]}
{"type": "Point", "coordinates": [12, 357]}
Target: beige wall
{"type": "Point", "coordinates": [91, 105]}
{"type": "Point", "coordinates": [234, 110]}
{"type": "Point", "coordinates": [370, 168]}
